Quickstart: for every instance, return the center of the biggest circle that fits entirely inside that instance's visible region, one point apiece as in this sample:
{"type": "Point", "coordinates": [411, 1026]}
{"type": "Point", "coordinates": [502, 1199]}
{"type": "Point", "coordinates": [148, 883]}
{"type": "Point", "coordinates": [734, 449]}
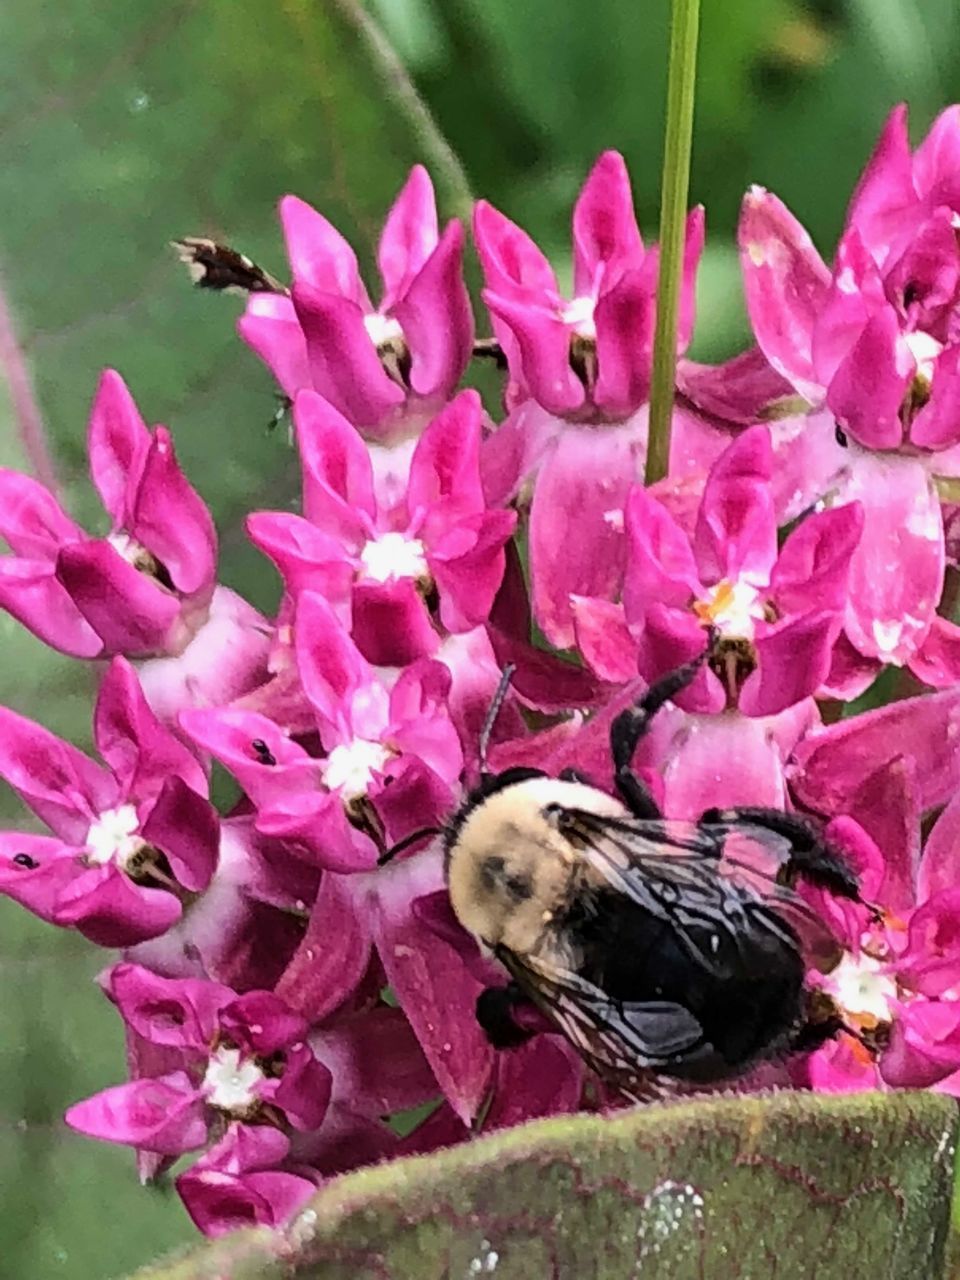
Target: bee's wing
{"type": "Point", "coordinates": [627, 1044]}
{"type": "Point", "coordinates": [681, 874]}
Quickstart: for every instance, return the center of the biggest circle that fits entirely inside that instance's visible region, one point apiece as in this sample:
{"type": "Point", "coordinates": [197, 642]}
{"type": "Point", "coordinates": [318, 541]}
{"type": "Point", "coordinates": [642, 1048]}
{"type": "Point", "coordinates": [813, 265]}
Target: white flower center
{"type": "Point", "coordinates": [349, 768]}
{"type": "Point", "coordinates": [383, 331]}
{"type": "Point", "coordinates": [114, 837]}
{"type": "Point", "coordinates": [231, 1081]}
{"type": "Point", "coordinates": [394, 556]}
{"type": "Point", "coordinates": [733, 607]}
{"type": "Point", "coordinates": [578, 313]}
{"type": "Point", "coordinates": [924, 350]}
{"type": "Point", "coordinates": [861, 989]}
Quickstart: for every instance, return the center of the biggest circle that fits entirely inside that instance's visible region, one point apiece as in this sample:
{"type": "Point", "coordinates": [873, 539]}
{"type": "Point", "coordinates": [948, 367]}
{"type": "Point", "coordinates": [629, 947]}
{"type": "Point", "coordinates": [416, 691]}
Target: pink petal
{"type": "Point", "coordinates": [333, 956]}
{"type": "Point", "coordinates": [606, 239]}
{"type": "Point", "coordinates": [786, 283]}
{"type": "Point", "coordinates": [885, 194]}
{"type": "Point", "coordinates": [924, 1044]}
{"type": "Point", "coordinates": [722, 760]}
{"type": "Point", "coordinates": [931, 962]}
{"type": "Point", "coordinates": [624, 319]}
{"type": "Point", "coordinates": [319, 255]}
{"type": "Point", "coordinates": [344, 365]}
{"type": "Point", "coordinates": [133, 742]}
{"type": "Point", "coordinates": [511, 261]}
{"type": "Point", "coordinates": [409, 236]}
{"type": "Point", "coordinates": [270, 327]}
{"type": "Point", "coordinates": [870, 384]}
{"type": "Point", "coordinates": [432, 985]}
{"type": "Point", "coordinates": [307, 558]}
{"type": "Point", "coordinates": [260, 1023]}
{"type": "Point", "coordinates": [330, 665]}
{"type": "Point", "coordinates": [829, 768]}
{"type": "Point", "coordinates": [179, 1012]}
{"type": "Point", "coordinates": [446, 462]}
{"type": "Point", "coordinates": [896, 572]}
{"type": "Point", "coordinates": [437, 319]}
{"type": "Point", "coordinates": [936, 159]}
{"type": "Point", "coordinates": [229, 733]}
{"type": "Point", "coordinates": [337, 473]}
{"type": "Point", "coordinates": [668, 638]}
{"type": "Point", "coordinates": [117, 442]}
{"type": "Point", "coordinates": [185, 827]}
{"type": "Point", "coordinates": [162, 1115]}
{"type": "Point", "coordinates": [937, 663]}
{"type": "Point", "coordinates": [31, 519]}
{"type": "Point", "coordinates": [65, 788]}
{"type": "Point", "coordinates": [542, 1078]}
{"type": "Point", "coordinates": [743, 390]}
{"type": "Point", "coordinates": [856, 294]}
{"type": "Point", "coordinates": [303, 1090]}
{"type": "Point", "coordinates": [693, 242]}
{"type": "Point", "coordinates": [107, 907]}
{"type": "Point", "coordinates": [391, 623]}
{"type": "Point", "coordinates": [793, 661]}
{"type": "Point", "coordinates": [37, 885]}
{"type": "Point", "coordinates": [220, 1197]}
{"type": "Point", "coordinates": [736, 531]}
{"type": "Point", "coordinates": [130, 611]}
{"type": "Point", "coordinates": [660, 563]}
{"type": "Point", "coordinates": [376, 1062]}
{"type": "Point", "coordinates": [940, 864]}
{"type": "Point", "coordinates": [576, 540]}
{"type": "Point", "coordinates": [813, 568]}
{"type": "Point", "coordinates": [468, 583]}
{"type": "Point", "coordinates": [937, 425]}
{"type": "Point", "coordinates": [543, 340]}
{"type": "Point", "coordinates": [168, 516]}
{"type": "Point", "coordinates": [31, 593]}
{"type": "Point", "coordinates": [603, 638]}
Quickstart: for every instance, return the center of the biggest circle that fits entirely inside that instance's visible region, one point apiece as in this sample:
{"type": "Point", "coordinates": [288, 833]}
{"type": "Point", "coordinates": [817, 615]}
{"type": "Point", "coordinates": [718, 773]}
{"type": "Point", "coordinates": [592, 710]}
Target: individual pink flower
{"type": "Point", "coordinates": [382, 565]}
{"type": "Point", "coordinates": [392, 756]}
{"type": "Point", "coordinates": [245, 1180]}
{"type": "Point", "coordinates": [132, 843]}
{"type": "Point", "coordinates": [898, 983]}
{"type": "Point", "coordinates": [389, 368]}
{"type": "Point", "coordinates": [148, 589]}
{"type": "Point", "coordinates": [776, 613]}
{"type": "Point", "coordinates": [588, 356]}
{"type": "Point", "coordinates": [230, 1058]}
{"type": "Point", "coordinates": [873, 343]}
{"type": "Point", "coordinates": [579, 381]}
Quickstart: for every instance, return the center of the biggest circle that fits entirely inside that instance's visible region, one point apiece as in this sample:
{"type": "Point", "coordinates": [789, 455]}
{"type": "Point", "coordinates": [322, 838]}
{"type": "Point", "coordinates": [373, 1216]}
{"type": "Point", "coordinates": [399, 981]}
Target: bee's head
{"type": "Point", "coordinates": [509, 864]}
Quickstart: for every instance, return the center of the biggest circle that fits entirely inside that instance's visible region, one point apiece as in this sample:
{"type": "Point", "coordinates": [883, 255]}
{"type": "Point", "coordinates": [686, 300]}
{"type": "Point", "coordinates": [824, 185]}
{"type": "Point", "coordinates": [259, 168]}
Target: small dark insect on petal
{"type": "Point", "coordinates": [841, 436]}
{"type": "Point", "coordinates": [262, 752]}
{"type": "Point", "coordinates": [217, 266]}
{"type": "Point", "coordinates": [24, 860]}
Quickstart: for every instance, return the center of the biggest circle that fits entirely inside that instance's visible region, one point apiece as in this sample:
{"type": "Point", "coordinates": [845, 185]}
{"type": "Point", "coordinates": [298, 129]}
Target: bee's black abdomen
{"type": "Point", "coordinates": [749, 1007]}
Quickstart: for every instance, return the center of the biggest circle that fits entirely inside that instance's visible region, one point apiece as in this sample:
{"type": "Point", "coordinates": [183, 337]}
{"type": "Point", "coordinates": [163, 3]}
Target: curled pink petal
{"type": "Point", "coordinates": [185, 827]}
{"type": "Point", "coordinates": [129, 610]}
{"type": "Point", "coordinates": [337, 472]}
{"type": "Point", "coordinates": [181, 1013]}
{"type": "Point", "coordinates": [736, 531]}
{"type": "Point", "coordinates": [606, 239]}
{"type": "Point", "coordinates": [318, 253]}
{"type": "Point", "coordinates": [31, 592]}
{"type": "Point", "coordinates": [169, 518]}
{"type": "Point", "coordinates": [117, 442]}
{"type": "Point", "coordinates": [937, 425]}
{"type": "Point", "coordinates": [106, 906]}
{"type": "Point", "coordinates": [162, 1115]}
{"type": "Point", "coordinates": [270, 327]}
{"type": "Point", "coordinates": [344, 365]}
{"type": "Point", "coordinates": [785, 282]}
{"type": "Point", "coordinates": [437, 320]}
{"type": "Point", "coordinates": [409, 236]}
{"type": "Point", "coordinates": [31, 519]}
{"type": "Point", "coordinates": [869, 386]}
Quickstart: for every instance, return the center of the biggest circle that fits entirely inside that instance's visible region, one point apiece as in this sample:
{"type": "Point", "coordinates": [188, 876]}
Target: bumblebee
{"type": "Point", "coordinates": [663, 950]}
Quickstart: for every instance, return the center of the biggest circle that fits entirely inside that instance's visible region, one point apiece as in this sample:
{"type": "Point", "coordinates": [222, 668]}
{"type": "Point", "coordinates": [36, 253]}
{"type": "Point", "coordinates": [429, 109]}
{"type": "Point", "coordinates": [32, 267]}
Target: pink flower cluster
{"type": "Point", "coordinates": [285, 997]}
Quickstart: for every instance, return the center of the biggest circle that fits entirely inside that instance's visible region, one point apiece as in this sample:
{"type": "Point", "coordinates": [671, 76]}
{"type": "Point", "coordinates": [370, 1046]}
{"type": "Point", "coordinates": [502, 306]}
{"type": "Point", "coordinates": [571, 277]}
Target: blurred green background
{"type": "Point", "coordinates": [124, 123]}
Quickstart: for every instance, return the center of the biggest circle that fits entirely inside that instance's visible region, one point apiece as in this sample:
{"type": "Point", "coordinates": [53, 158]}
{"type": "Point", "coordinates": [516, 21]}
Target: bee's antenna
{"type": "Point", "coordinates": [421, 834]}
{"type": "Point", "coordinates": [493, 711]}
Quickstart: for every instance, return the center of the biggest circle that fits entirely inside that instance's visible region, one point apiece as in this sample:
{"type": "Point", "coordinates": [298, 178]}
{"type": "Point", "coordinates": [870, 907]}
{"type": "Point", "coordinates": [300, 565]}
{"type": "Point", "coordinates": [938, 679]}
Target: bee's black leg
{"type": "Point", "coordinates": [814, 1035]}
{"type": "Point", "coordinates": [810, 855]}
{"type": "Point", "coordinates": [495, 1006]}
{"type": "Point", "coordinates": [630, 726]}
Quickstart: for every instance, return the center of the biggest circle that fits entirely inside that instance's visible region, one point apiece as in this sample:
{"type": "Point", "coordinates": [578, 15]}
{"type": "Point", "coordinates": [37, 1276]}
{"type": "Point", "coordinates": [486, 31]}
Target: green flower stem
{"type": "Point", "coordinates": [673, 211]}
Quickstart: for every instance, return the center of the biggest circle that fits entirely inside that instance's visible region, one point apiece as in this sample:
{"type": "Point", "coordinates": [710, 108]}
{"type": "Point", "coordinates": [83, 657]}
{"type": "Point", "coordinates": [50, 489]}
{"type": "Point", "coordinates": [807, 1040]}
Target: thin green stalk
{"type": "Point", "coordinates": [684, 26]}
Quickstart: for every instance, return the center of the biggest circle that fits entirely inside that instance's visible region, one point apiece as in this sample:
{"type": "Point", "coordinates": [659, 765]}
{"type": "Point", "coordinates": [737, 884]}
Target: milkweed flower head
{"type": "Point", "coordinates": [291, 974]}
